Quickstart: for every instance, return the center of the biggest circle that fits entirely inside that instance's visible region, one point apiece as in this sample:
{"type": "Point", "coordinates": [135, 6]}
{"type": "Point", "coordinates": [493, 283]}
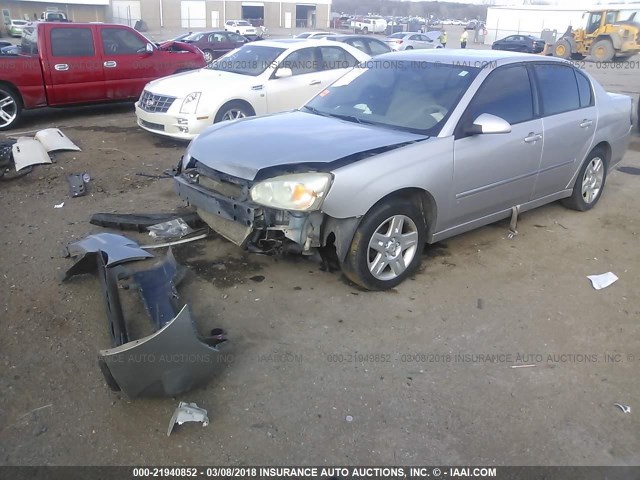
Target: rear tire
{"type": "Point", "coordinates": [387, 246]}
{"type": "Point", "coordinates": [589, 183]}
{"type": "Point", "coordinates": [602, 51]}
{"type": "Point", "coordinates": [10, 107]}
{"type": "Point", "coordinates": [409, 48]}
{"type": "Point", "coordinates": [365, 30]}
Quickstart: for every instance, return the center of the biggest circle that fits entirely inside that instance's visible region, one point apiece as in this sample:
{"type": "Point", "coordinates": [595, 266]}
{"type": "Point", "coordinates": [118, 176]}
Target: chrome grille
{"type": "Point", "coordinates": [155, 103]}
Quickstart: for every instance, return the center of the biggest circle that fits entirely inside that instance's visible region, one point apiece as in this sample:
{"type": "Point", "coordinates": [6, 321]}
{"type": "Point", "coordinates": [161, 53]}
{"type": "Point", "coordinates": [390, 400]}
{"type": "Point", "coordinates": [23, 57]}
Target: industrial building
{"type": "Point", "coordinates": [195, 14]}
{"type": "Point", "coordinates": [175, 14]}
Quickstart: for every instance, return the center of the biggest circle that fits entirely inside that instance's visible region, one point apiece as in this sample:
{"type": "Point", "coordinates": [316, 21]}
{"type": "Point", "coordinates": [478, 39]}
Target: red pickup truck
{"type": "Point", "coordinates": [64, 64]}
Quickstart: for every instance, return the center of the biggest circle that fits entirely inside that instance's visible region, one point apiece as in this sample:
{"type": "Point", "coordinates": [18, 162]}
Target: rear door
{"type": "Point", "coordinates": [126, 64]}
{"type": "Point", "coordinates": [494, 172]}
{"type": "Point", "coordinates": [569, 120]}
{"type": "Point", "coordinates": [72, 67]}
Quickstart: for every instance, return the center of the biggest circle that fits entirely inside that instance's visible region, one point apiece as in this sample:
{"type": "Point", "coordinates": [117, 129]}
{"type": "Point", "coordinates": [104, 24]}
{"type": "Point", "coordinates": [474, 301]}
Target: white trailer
{"type": "Point", "coordinates": [531, 20]}
{"type": "Point", "coordinates": [535, 19]}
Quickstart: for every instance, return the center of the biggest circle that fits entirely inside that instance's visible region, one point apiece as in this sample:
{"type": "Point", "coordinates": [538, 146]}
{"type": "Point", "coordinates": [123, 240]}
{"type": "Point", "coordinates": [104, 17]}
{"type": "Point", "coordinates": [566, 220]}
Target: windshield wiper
{"type": "Point", "coordinates": [316, 111]}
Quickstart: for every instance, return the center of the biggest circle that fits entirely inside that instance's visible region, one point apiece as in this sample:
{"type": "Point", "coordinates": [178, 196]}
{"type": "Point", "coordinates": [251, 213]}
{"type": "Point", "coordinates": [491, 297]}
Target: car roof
{"type": "Point", "coordinates": [343, 36]}
{"type": "Point", "coordinates": [467, 56]}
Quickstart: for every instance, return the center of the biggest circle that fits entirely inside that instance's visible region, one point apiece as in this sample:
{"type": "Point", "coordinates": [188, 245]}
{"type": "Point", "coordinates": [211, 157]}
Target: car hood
{"type": "Point", "coordinates": [259, 147]}
{"type": "Point", "coordinates": [182, 84]}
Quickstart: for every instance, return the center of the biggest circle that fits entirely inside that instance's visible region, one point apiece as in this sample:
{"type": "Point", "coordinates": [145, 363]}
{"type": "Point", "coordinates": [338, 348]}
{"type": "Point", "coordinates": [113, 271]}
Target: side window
{"type": "Point", "coordinates": [584, 90]}
{"type": "Point", "coordinates": [558, 88]}
{"type": "Point", "coordinates": [119, 41]}
{"type": "Point", "coordinates": [506, 93]}
{"type": "Point", "coordinates": [302, 61]}
{"type": "Point", "coordinates": [234, 37]}
{"type": "Point", "coordinates": [336, 57]}
{"type": "Point", "coordinates": [414, 37]}
{"type": "Point", "coordinates": [377, 48]}
{"type": "Point", "coordinates": [217, 38]}
{"type": "Point", "coordinates": [358, 43]}
{"type": "Point", "coordinates": [72, 42]}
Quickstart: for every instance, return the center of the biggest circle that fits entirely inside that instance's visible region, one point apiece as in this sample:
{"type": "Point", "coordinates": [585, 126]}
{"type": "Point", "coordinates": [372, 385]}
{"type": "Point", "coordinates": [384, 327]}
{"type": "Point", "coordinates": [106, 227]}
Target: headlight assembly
{"type": "Point", "coordinates": [190, 103]}
{"type": "Point", "coordinates": [300, 191]}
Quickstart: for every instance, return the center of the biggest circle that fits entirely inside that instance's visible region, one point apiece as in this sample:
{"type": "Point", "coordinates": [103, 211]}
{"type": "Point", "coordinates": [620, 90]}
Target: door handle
{"type": "Point", "coordinates": [110, 64]}
{"type": "Point", "coordinates": [586, 123]}
{"type": "Point", "coordinates": [533, 137]}
{"type": "Point", "coordinates": [315, 82]}
{"type": "Point", "coordinates": [61, 67]}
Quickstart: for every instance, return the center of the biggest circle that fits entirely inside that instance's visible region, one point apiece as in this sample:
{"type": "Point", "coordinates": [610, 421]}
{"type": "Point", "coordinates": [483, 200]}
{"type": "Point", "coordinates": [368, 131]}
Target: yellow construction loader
{"type": "Point", "coordinates": [605, 38]}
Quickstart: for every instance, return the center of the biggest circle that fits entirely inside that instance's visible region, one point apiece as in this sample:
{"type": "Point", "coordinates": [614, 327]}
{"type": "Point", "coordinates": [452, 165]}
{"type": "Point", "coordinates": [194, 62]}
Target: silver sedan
{"type": "Point", "coordinates": [414, 40]}
{"type": "Point", "coordinates": [407, 149]}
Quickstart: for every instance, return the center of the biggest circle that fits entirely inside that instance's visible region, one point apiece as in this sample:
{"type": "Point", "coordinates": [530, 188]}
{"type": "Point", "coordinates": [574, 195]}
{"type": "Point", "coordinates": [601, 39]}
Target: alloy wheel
{"type": "Point", "coordinates": [233, 114]}
{"type": "Point", "coordinates": [8, 109]}
{"type": "Point", "coordinates": [592, 180]}
{"type": "Point", "coordinates": [392, 247]}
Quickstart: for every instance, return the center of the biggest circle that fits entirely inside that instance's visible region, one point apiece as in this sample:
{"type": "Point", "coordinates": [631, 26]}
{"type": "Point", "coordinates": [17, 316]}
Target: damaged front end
{"type": "Point", "coordinates": [223, 202]}
{"type": "Point", "coordinates": [174, 358]}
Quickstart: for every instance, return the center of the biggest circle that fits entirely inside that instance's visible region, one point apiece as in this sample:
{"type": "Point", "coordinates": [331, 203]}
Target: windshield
{"type": "Point", "coordinates": [244, 24]}
{"type": "Point", "coordinates": [413, 96]}
{"type": "Point", "coordinates": [18, 22]}
{"type": "Point", "coordinates": [247, 60]}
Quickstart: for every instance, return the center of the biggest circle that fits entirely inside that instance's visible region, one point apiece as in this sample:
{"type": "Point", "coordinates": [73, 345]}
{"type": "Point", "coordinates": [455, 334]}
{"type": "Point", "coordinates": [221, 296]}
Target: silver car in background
{"type": "Point", "coordinates": [413, 40]}
{"type": "Point", "coordinates": [410, 148]}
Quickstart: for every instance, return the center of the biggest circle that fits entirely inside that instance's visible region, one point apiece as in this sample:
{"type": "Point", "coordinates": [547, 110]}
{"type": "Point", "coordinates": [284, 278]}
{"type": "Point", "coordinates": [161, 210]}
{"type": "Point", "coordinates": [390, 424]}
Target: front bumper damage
{"type": "Point", "coordinates": [223, 202]}
{"type": "Point", "coordinates": [174, 358]}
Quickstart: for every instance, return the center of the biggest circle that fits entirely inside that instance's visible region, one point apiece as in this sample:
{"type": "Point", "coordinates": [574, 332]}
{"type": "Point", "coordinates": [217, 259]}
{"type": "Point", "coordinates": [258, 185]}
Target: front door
{"type": "Point", "coordinates": [494, 172]}
{"type": "Point", "coordinates": [127, 66]}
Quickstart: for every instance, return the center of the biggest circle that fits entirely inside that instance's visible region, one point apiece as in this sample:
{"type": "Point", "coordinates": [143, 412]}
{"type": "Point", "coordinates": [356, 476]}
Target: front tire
{"type": "Point", "coordinates": [10, 108]}
{"type": "Point", "coordinates": [562, 49]}
{"type": "Point", "coordinates": [387, 246]}
{"type": "Point", "coordinates": [589, 184]}
{"type": "Point", "coordinates": [208, 56]}
{"type": "Point", "coordinates": [233, 110]}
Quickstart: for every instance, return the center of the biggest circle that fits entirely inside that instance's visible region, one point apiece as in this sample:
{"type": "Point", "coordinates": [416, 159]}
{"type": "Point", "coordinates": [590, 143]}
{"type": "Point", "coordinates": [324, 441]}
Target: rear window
{"type": "Point", "coordinates": [29, 44]}
{"type": "Point", "coordinates": [558, 88]}
{"type": "Point", "coordinates": [72, 42]}
{"type": "Point", "coordinates": [584, 90]}
{"type": "Point", "coordinates": [398, 35]}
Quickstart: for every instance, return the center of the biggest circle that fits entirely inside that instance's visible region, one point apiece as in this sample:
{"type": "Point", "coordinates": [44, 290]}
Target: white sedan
{"type": "Point", "coordinates": [255, 79]}
{"type": "Point", "coordinates": [240, 26]}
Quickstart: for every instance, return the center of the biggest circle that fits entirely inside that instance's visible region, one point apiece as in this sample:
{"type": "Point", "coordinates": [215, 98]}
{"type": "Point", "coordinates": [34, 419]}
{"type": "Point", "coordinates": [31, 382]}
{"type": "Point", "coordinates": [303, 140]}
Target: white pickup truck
{"type": "Point", "coordinates": [369, 25]}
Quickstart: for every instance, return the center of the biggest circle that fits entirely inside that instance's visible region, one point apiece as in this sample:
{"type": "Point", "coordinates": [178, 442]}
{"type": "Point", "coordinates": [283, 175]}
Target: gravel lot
{"type": "Point", "coordinates": [320, 372]}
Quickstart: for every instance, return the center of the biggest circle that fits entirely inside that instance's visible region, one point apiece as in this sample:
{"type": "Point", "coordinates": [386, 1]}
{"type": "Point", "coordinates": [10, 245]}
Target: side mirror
{"type": "Point", "coordinates": [149, 48]}
{"type": "Point", "coordinates": [283, 72]}
{"type": "Point", "coordinates": [487, 123]}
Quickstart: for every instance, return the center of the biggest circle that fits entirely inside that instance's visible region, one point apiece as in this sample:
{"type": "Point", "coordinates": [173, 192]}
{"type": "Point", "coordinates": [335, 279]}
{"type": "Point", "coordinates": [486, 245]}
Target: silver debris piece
{"type": "Point", "coordinates": [53, 139]}
{"type": "Point", "coordinates": [624, 408]}
{"type": "Point", "coordinates": [188, 412]}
